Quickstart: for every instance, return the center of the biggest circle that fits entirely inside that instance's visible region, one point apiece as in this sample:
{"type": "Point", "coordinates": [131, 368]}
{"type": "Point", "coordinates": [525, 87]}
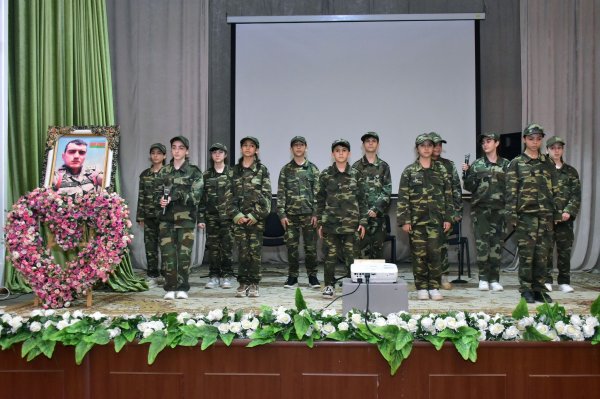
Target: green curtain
{"type": "Point", "coordinates": [59, 74]}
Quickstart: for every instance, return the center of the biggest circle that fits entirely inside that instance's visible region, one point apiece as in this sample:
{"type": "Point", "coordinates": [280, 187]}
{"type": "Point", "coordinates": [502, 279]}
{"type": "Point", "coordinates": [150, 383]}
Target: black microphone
{"type": "Point", "coordinates": [166, 193]}
{"type": "Point", "coordinates": [467, 157]}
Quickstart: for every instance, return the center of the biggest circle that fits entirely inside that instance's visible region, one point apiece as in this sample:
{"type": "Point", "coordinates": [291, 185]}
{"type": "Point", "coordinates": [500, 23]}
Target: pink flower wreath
{"type": "Point", "coordinates": [105, 214]}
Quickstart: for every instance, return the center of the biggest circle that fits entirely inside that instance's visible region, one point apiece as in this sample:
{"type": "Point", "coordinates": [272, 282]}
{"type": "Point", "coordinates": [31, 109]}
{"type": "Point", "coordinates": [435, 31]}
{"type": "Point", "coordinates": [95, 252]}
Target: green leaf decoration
{"type": "Point", "coordinates": [260, 341]}
{"type": "Point", "coordinates": [47, 348]}
{"type": "Point", "coordinates": [158, 342]}
{"type": "Point", "coordinates": [99, 337]}
{"type": "Point", "coordinates": [28, 345]}
{"type": "Point", "coordinates": [521, 310]}
{"type": "Point", "coordinates": [119, 342]}
{"type": "Point", "coordinates": [10, 340]}
{"type": "Point", "coordinates": [188, 340]}
{"type": "Point", "coordinates": [531, 334]}
{"type": "Point", "coordinates": [436, 341]}
{"type": "Point", "coordinates": [227, 338]}
{"type": "Point", "coordinates": [467, 347]}
{"type": "Point", "coordinates": [81, 349]}
{"type": "Point", "coordinates": [301, 325]}
{"type": "Point", "coordinates": [300, 303]}
{"type": "Point", "coordinates": [595, 310]}
{"type": "Point", "coordinates": [33, 353]}
{"type": "Point", "coordinates": [338, 336]}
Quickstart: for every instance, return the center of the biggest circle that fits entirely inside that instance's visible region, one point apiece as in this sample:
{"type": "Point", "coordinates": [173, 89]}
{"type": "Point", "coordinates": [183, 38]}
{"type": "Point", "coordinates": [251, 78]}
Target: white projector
{"type": "Point", "coordinates": [378, 271]}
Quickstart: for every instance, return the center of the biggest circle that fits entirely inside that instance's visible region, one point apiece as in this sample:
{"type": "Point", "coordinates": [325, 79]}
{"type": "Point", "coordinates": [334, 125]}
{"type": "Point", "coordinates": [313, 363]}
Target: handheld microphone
{"type": "Point", "coordinates": [467, 157]}
{"type": "Point", "coordinates": [166, 193]}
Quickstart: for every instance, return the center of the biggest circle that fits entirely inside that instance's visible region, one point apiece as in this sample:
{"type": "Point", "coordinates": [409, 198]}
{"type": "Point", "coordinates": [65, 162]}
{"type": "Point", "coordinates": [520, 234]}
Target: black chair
{"type": "Point", "coordinates": [456, 238]}
{"type": "Point", "coordinates": [274, 232]}
{"type": "Point", "coordinates": [390, 237]}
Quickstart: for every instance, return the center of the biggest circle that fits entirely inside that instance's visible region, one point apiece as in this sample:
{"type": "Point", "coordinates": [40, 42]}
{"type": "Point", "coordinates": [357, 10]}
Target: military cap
{"type": "Point", "coordinates": [555, 140]}
{"type": "Point", "coordinates": [436, 138]}
{"type": "Point", "coordinates": [533, 128]}
{"type": "Point", "coordinates": [252, 139]}
{"type": "Point", "coordinates": [369, 134]}
{"type": "Point", "coordinates": [217, 146]}
{"type": "Point", "coordinates": [158, 146]}
{"type": "Point", "coordinates": [184, 140]}
{"type": "Point", "coordinates": [340, 142]}
{"type": "Point", "coordinates": [421, 138]}
{"type": "Point", "coordinates": [298, 139]}
{"type": "Point", "coordinates": [489, 135]}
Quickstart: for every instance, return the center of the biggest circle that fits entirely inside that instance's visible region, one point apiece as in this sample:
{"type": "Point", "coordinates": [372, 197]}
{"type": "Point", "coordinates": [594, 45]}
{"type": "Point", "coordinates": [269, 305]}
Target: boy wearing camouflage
{"type": "Point", "coordinates": [296, 208]}
{"type": "Point", "coordinates": [568, 200]}
{"type": "Point", "coordinates": [486, 180]}
{"type": "Point", "coordinates": [452, 175]}
{"type": "Point", "coordinates": [213, 216]}
{"type": "Point", "coordinates": [148, 208]}
{"type": "Point", "coordinates": [530, 209]}
{"type": "Point", "coordinates": [378, 182]}
{"type": "Point", "coordinates": [341, 212]}
{"type": "Point", "coordinates": [249, 208]}
{"type": "Point", "coordinates": [180, 189]}
{"type": "Point", "coordinates": [425, 209]}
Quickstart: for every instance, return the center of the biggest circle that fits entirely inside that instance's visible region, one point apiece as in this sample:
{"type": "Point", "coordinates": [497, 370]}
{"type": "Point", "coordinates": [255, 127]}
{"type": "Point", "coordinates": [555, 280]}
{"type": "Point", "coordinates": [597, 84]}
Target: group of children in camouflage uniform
{"type": "Point", "coordinates": [346, 206]}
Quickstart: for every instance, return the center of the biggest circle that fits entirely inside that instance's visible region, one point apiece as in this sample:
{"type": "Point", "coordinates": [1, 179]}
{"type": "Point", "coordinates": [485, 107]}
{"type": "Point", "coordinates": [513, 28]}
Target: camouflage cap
{"type": "Point", "coordinates": [159, 146]}
{"type": "Point", "coordinates": [297, 139]}
{"type": "Point", "coordinates": [423, 137]}
{"type": "Point", "coordinates": [369, 134]}
{"type": "Point", "coordinates": [218, 146]}
{"type": "Point", "coordinates": [340, 142]}
{"type": "Point", "coordinates": [184, 140]}
{"type": "Point", "coordinates": [252, 139]}
{"type": "Point", "coordinates": [489, 135]}
{"type": "Point", "coordinates": [555, 140]}
{"type": "Point", "coordinates": [533, 128]}
{"type": "Point", "coordinates": [436, 138]}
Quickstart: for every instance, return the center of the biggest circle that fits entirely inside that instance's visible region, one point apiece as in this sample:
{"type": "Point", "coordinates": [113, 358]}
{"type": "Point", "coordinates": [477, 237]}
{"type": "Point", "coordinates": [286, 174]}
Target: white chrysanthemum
{"type": "Point", "coordinates": [15, 323]}
{"type": "Point", "coordinates": [97, 316]}
{"type": "Point", "coordinates": [588, 330]}
{"type": "Point", "coordinates": [460, 316]}
{"type": "Point", "coordinates": [560, 327]}
{"type": "Point", "coordinates": [147, 332]}
{"type": "Point", "coordinates": [304, 313]}
{"type": "Point", "coordinates": [318, 325]}
{"type": "Point", "coordinates": [393, 320]}
{"type": "Point", "coordinates": [357, 319]}
{"type": "Point", "coordinates": [572, 331]}
{"type": "Point", "coordinates": [216, 314]}
{"type": "Point", "coordinates": [380, 322]}
{"type": "Point", "coordinates": [343, 326]}
{"type": "Point", "coordinates": [200, 323]}
{"type": "Point", "coordinates": [440, 324]}
{"type": "Point", "coordinates": [542, 328]}
{"type": "Point", "coordinates": [78, 314]}
{"type": "Point", "coordinates": [48, 323]}
{"type": "Point", "coordinates": [575, 320]}
{"type": "Point", "coordinates": [182, 317]}
{"type": "Point", "coordinates": [114, 332]}
{"type": "Point", "coordinates": [223, 328]}
{"type": "Point", "coordinates": [6, 318]}
{"type": "Point", "coordinates": [246, 324]}
{"type": "Point", "coordinates": [496, 329]}
{"type": "Point", "coordinates": [413, 325]}
{"type": "Point", "coordinates": [553, 335]}
{"type": "Point", "coordinates": [235, 327]}
{"type": "Point", "coordinates": [309, 331]}
{"type": "Point", "coordinates": [66, 315]}
{"type": "Point", "coordinates": [249, 333]}
{"type": "Point", "coordinates": [62, 324]}
{"type": "Point", "coordinates": [35, 326]}
{"type": "Point", "coordinates": [36, 312]}
{"type": "Point", "coordinates": [481, 324]}
{"type": "Point", "coordinates": [329, 313]}
{"type": "Point", "coordinates": [328, 328]}
{"type": "Point", "coordinates": [450, 322]}
{"type": "Point", "coordinates": [283, 318]}
{"type": "Point", "coordinates": [592, 321]}
{"type": "Point", "coordinates": [511, 332]}
{"type": "Point", "coordinates": [426, 323]}
{"type": "Point", "coordinates": [482, 335]}
{"type": "Point", "coordinates": [49, 312]}
{"type": "Point", "coordinates": [524, 322]}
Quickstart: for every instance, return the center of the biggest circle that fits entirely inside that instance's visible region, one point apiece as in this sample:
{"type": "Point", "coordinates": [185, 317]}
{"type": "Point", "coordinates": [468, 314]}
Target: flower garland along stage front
{"type": "Point", "coordinates": [105, 216]}
{"type": "Point", "coordinates": [393, 334]}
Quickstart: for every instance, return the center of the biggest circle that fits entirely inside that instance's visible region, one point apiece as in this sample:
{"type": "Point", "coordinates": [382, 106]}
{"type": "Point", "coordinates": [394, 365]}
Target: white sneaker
{"type": "Point", "coordinates": [496, 286]}
{"type": "Point", "coordinates": [548, 287]}
{"type": "Point", "coordinates": [435, 295]}
{"type": "Point", "coordinates": [169, 295]}
{"type": "Point", "coordinates": [213, 282]}
{"type": "Point", "coordinates": [422, 295]}
{"type": "Point", "coordinates": [225, 282]}
{"type": "Point", "coordinates": [565, 288]}
{"type": "Point", "coordinates": [182, 295]}
{"type": "Point", "coordinates": [328, 291]}
{"type": "Point", "coordinates": [483, 286]}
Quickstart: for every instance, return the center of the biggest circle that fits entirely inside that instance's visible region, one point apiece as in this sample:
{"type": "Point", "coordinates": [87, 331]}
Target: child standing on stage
{"type": "Point", "coordinates": [180, 190]}
{"type": "Point", "coordinates": [425, 211]}
{"type": "Point", "coordinates": [148, 209]}
{"type": "Point", "coordinates": [250, 207]}
{"type": "Point", "coordinates": [213, 215]}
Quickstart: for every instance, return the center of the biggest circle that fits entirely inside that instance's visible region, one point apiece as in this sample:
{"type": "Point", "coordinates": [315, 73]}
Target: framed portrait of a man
{"type": "Point", "coordinates": [80, 159]}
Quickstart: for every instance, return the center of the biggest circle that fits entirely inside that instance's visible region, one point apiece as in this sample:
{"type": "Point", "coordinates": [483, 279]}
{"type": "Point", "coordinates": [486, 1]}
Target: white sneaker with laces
{"type": "Point", "coordinates": [328, 291]}
{"type": "Point", "coordinates": [435, 295]}
{"type": "Point", "coordinates": [422, 295]}
{"type": "Point", "coordinates": [496, 286]}
{"type": "Point", "coordinates": [182, 295]}
{"type": "Point", "coordinates": [483, 286]}
{"type": "Point", "coordinates": [565, 288]}
{"type": "Point", "coordinates": [169, 295]}
{"type": "Point", "coordinates": [225, 282]}
{"type": "Point", "coordinates": [548, 287]}
{"type": "Point", "coordinates": [213, 282]}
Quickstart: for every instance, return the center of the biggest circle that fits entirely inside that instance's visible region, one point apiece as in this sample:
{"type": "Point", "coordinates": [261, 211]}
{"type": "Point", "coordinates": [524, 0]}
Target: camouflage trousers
{"type": "Point", "coordinates": [371, 246]}
{"type": "Point", "coordinates": [219, 246]}
{"type": "Point", "coordinates": [301, 226]}
{"type": "Point", "coordinates": [426, 255]}
{"type": "Point", "coordinates": [151, 233]}
{"type": "Point", "coordinates": [443, 244]}
{"type": "Point", "coordinates": [534, 238]}
{"type": "Point", "coordinates": [176, 246]}
{"type": "Point", "coordinates": [488, 228]}
{"type": "Point", "coordinates": [563, 240]}
{"type": "Point", "coordinates": [339, 246]}
{"type": "Point", "coordinates": [249, 240]}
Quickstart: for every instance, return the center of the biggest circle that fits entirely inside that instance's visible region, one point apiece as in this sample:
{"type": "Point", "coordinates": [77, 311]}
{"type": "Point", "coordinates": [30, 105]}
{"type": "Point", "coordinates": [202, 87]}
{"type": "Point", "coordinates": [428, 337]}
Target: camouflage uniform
{"type": "Point", "coordinates": [341, 208]}
{"type": "Point", "coordinates": [65, 182]}
{"type": "Point", "coordinates": [530, 207]}
{"type": "Point", "coordinates": [567, 199]}
{"type": "Point", "coordinates": [378, 183]}
{"type": "Point", "coordinates": [457, 208]}
{"type": "Point", "coordinates": [425, 202]}
{"type": "Point", "coordinates": [148, 209]}
{"type": "Point", "coordinates": [178, 223]}
{"type": "Point", "coordinates": [296, 200]}
{"type": "Point", "coordinates": [487, 183]}
{"type": "Point", "coordinates": [214, 212]}
{"type": "Point", "coordinates": [252, 199]}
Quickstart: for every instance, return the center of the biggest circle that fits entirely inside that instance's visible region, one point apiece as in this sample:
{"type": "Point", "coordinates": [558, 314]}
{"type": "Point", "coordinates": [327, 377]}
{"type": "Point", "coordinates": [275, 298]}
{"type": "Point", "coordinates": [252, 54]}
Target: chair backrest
{"type": "Point", "coordinates": [273, 230]}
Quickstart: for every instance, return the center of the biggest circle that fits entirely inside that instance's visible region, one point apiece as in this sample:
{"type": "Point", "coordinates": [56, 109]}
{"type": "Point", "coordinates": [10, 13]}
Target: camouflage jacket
{"type": "Point", "coordinates": [487, 182]}
{"type": "Point", "coordinates": [217, 196]}
{"type": "Point", "coordinates": [185, 189]}
{"type": "Point", "coordinates": [297, 189]}
{"type": "Point", "coordinates": [341, 200]}
{"type": "Point", "coordinates": [67, 183]}
{"type": "Point", "coordinates": [148, 203]}
{"type": "Point", "coordinates": [568, 190]}
{"type": "Point", "coordinates": [251, 192]}
{"type": "Point", "coordinates": [455, 187]}
{"type": "Point", "coordinates": [424, 195]}
{"type": "Point", "coordinates": [378, 183]}
{"type": "Point", "coordinates": [529, 187]}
